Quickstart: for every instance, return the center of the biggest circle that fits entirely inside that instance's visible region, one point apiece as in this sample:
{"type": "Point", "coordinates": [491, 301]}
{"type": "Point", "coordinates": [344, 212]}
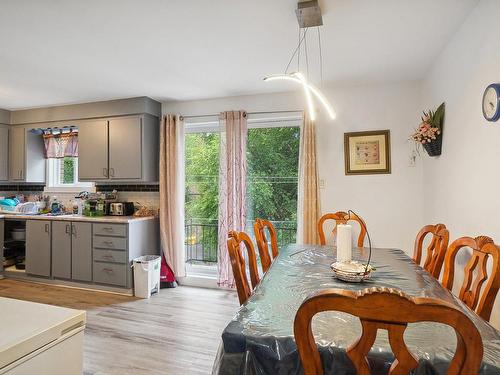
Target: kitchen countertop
{"type": "Point", "coordinates": [95, 219]}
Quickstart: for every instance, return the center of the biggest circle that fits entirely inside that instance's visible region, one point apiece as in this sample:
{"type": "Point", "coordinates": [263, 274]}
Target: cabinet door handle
{"type": "Point", "coordinates": [109, 243]}
{"type": "Point", "coordinates": [112, 172]}
{"type": "Point", "coordinates": [47, 228]}
{"type": "Point", "coordinates": [107, 229]}
{"type": "Point", "coordinates": [108, 270]}
{"type": "Point", "coordinates": [73, 230]}
{"type": "Point", "coordinates": [108, 256]}
{"type": "Point", "coordinates": [21, 174]}
{"type": "Point", "coordinates": [67, 229]}
{"type": "Point", "coordinates": [105, 172]}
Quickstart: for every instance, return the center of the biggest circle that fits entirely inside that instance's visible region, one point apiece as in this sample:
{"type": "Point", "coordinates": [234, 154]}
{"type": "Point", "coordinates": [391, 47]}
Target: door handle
{"type": "Point", "coordinates": [73, 230]}
{"type": "Point", "coordinates": [47, 228]}
{"type": "Point", "coordinates": [67, 229]}
{"type": "Point", "coordinates": [105, 172]}
{"type": "Point", "coordinates": [112, 172]}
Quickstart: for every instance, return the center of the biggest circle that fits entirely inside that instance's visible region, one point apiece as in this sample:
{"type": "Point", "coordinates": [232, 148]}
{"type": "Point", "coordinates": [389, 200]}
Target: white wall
{"type": "Point", "coordinates": [391, 204]}
{"type": "Point", "coordinates": [462, 185]}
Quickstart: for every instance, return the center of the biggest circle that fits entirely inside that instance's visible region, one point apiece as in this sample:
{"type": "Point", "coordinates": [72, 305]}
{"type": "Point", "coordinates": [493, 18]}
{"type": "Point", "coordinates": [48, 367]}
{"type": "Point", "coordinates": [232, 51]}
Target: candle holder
{"type": "Point", "coordinates": [354, 271]}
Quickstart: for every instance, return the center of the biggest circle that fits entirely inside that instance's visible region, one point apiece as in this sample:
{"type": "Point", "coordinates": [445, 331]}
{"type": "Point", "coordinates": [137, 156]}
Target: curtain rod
{"type": "Point", "coordinates": [248, 113]}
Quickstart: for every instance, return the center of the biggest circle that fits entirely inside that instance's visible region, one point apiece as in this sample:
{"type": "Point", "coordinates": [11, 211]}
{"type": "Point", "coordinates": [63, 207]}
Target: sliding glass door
{"type": "Point", "coordinates": [272, 175]}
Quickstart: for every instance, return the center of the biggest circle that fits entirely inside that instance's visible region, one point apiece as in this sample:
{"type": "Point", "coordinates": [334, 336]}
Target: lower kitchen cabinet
{"type": "Point", "coordinates": [38, 247]}
{"type": "Point", "coordinates": [116, 245]}
{"type": "Point", "coordinates": [61, 249]}
{"type": "Point", "coordinates": [72, 250]}
{"type": "Point", "coordinates": [81, 250]}
{"type": "Point", "coordinates": [90, 252]}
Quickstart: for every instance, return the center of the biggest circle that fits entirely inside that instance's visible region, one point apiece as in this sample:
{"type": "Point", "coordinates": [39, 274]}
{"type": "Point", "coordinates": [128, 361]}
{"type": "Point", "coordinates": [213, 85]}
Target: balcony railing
{"type": "Point", "coordinates": [201, 238]}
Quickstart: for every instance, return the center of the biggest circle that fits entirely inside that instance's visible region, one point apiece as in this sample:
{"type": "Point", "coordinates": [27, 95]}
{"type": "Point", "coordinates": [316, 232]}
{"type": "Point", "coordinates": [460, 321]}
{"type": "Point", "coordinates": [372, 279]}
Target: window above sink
{"type": "Point", "coordinates": [62, 176]}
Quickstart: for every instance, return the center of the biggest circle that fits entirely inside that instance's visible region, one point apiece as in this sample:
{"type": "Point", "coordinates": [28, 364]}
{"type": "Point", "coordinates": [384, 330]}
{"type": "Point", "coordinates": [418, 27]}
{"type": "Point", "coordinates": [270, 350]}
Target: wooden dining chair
{"type": "Point", "coordinates": [341, 217]}
{"type": "Point", "coordinates": [436, 250]}
{"type": "Point", "coordinates": [238, 264]}
{"type": "Point", "coordinates": [391, 310]}
{"type": "Point", "coordinates": [259, 228]}
{"type": "Point", "coordinates": [470, 292]}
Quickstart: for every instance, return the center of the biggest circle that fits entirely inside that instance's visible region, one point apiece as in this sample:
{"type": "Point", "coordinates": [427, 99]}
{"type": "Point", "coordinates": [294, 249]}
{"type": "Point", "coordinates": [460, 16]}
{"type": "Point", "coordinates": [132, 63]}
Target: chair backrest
{"type": "Point", "coordinates": [238, 264]}
{"type": "Point", "coordinates": [470, 292]}
{"type": "Point", "coordinates": [392, 310]}
{"type": "Point", "coordinates": [341, 217]}
{"type": "Point", "coordinates": [259, 228]}
{"type": "Point", "coordinates": [436, 250]}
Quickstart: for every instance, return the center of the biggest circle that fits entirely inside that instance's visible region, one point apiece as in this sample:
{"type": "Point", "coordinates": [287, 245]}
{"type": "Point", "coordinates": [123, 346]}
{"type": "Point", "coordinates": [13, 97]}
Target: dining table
{"type": "Point", "coordinates": [260, 338]}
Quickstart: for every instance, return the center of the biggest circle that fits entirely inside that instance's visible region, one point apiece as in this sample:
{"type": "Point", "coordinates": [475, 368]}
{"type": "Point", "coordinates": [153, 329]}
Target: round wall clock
{"type": "Point", "coordinates": [491, 102]}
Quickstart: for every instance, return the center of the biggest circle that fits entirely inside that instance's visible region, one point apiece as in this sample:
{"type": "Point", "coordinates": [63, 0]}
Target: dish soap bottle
{"type": "Point", "coordinates": [55, 207]}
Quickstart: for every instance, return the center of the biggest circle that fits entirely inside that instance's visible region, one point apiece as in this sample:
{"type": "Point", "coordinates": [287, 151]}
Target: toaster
{"type": "Point", "coordinates": [121, 208]}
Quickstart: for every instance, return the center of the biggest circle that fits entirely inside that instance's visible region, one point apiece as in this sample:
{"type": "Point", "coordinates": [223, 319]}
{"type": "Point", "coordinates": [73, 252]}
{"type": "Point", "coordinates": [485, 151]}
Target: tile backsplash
{"type": "Point", "coordinates": [148, 195]}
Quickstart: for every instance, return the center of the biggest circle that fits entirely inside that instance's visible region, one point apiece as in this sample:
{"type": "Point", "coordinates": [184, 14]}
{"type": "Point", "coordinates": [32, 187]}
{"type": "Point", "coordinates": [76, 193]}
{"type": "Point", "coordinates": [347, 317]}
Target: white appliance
{"type": "Point", "coordinates": [40, 339]}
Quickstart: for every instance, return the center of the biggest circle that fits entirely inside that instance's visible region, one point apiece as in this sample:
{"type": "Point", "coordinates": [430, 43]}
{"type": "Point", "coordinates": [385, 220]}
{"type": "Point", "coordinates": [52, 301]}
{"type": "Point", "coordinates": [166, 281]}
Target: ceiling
{"type": "Point", "coordinates": [69, 51]}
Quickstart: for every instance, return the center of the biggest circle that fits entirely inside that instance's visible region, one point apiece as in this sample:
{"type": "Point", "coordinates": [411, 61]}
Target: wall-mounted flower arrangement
{"type": "Point", "coordinates": [429, 133]}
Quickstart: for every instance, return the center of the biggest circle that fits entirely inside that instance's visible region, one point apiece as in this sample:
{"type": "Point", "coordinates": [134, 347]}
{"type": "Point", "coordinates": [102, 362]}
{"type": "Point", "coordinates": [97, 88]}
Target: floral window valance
{"type": "Point", "coordinates": [61, 145]}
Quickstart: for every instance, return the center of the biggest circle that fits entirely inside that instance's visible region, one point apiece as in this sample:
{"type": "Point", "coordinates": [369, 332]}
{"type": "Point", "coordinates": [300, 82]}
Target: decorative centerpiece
{"type": "Point", "coordinates": [429, 133]}
{"type": "Point", "coordinates": [345, 268]}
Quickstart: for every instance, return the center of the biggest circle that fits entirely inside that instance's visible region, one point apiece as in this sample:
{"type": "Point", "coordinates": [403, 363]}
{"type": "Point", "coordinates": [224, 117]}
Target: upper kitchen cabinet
{"type": "Point", "coordinates": [4, 153]}
{"type": "Point", "coordinates": [125, 148]}
{"type": "Point", "coordinates": [26, 155]}
{"type": "Point", "coordinates": [93, 150]}
{"type": "Point", "coordinates": [119, 149]}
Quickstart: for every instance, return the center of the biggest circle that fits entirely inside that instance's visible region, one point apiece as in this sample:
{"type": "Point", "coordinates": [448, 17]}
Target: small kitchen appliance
{"type": "Point", "coordinates": [121, 208]}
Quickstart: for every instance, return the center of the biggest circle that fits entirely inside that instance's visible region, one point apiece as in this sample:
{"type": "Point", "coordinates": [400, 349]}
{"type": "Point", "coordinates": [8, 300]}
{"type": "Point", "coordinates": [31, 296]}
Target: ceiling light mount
{"type": "Point", "coordinates": [309, 14]}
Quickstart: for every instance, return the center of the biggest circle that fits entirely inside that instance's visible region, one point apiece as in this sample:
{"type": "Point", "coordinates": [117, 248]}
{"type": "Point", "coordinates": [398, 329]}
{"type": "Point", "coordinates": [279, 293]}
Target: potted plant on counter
{"type": "Point", "coordinates": [430, 131]}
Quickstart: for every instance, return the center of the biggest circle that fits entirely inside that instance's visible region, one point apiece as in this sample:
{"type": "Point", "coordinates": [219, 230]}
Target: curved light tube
{"type": "Point", "coordinates": [307, 91]}
{"type": "Point", "coordinates": [308, 88]}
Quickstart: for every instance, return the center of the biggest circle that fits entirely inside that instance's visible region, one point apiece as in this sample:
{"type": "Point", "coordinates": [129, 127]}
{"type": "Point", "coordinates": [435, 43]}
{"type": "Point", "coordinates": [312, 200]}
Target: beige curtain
{"type": "Point", "coordinates": [232, 186]}
{"type": "Point", "coordinates": [172, 193]}
{"type": "Point", "coordinates": [308, 209]}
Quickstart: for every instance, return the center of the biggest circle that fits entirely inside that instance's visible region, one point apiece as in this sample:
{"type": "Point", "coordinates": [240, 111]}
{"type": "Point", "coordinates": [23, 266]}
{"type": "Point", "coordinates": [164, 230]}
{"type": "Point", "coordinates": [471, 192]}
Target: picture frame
{"type": "Point", "coordinates": [367, 152]}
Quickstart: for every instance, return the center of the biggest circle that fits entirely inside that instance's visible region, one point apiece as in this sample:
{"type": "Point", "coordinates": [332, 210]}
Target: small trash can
{"type": "Point", "coordinates": [146, 275]}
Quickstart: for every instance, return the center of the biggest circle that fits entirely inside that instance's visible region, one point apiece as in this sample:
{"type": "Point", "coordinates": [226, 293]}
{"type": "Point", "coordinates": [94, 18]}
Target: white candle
{"type": "Point", "coordinates": [344, 243]}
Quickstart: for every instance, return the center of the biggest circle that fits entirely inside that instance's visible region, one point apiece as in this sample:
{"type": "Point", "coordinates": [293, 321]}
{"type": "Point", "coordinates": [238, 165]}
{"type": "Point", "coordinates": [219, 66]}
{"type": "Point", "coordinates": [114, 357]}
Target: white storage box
{"type": "Point", "coordinates": [40, 339]}
{"type": "Point", "coordinates": [147, 275]}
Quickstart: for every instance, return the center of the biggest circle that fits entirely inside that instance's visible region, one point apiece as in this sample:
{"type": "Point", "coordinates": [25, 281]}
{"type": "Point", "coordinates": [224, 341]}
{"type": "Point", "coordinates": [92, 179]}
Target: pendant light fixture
{"type": "Point", "coordinates": [308, 15]}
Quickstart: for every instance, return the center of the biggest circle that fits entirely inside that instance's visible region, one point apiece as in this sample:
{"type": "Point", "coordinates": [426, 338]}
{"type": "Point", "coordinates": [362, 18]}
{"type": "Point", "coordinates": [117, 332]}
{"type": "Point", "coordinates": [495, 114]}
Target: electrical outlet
{"type": "Point", "coordinates": [322, 184]}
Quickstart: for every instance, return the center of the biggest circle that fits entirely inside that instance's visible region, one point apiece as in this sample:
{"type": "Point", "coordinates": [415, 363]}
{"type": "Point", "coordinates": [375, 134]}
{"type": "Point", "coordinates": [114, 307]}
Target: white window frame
{"type": "Point", "coordinates": [53, 185]}
{"type": "Point", "coordinates": [210, 124]}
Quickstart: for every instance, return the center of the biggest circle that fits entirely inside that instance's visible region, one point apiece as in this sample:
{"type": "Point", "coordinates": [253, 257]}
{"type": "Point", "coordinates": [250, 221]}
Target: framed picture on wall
{"type": "Point", "coordinates": [367, 152]}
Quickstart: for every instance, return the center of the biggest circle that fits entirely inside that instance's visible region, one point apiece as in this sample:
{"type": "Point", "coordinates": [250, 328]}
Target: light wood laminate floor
{"type": "Point", "coordinates": [176, 332]}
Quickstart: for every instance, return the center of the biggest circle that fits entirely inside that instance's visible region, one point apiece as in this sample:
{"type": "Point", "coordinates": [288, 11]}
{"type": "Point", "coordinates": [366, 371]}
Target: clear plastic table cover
{"type": "Point", "coordinates": [259, 340]}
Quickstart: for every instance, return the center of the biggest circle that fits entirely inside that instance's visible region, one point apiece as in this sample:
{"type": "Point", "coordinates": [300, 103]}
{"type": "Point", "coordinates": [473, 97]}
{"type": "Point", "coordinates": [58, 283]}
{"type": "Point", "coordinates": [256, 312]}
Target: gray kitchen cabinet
{"type": "Point", "coordinates": [38, 247]}
{"type": "Point", "coordinates": [119, 149]}
{"type": "Point", "coordinates": [125, 148]}
{"type": "Point", "coordinates": [26, 155]}
{"type": "Point", "coordinates": [16, 153]}
{"type": "Point", "coordinates": [4, 153]}
{"type": "Point", "coordinates": [81, 250]}
{"type": "Point", "coordinates": [72, 250]}
{"type": "Point", "coordinates": [116, 245]}
{"type": "Point", "coordinates": [93, 150]}
{"type": "Point", "coordinates": [61, 249]}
